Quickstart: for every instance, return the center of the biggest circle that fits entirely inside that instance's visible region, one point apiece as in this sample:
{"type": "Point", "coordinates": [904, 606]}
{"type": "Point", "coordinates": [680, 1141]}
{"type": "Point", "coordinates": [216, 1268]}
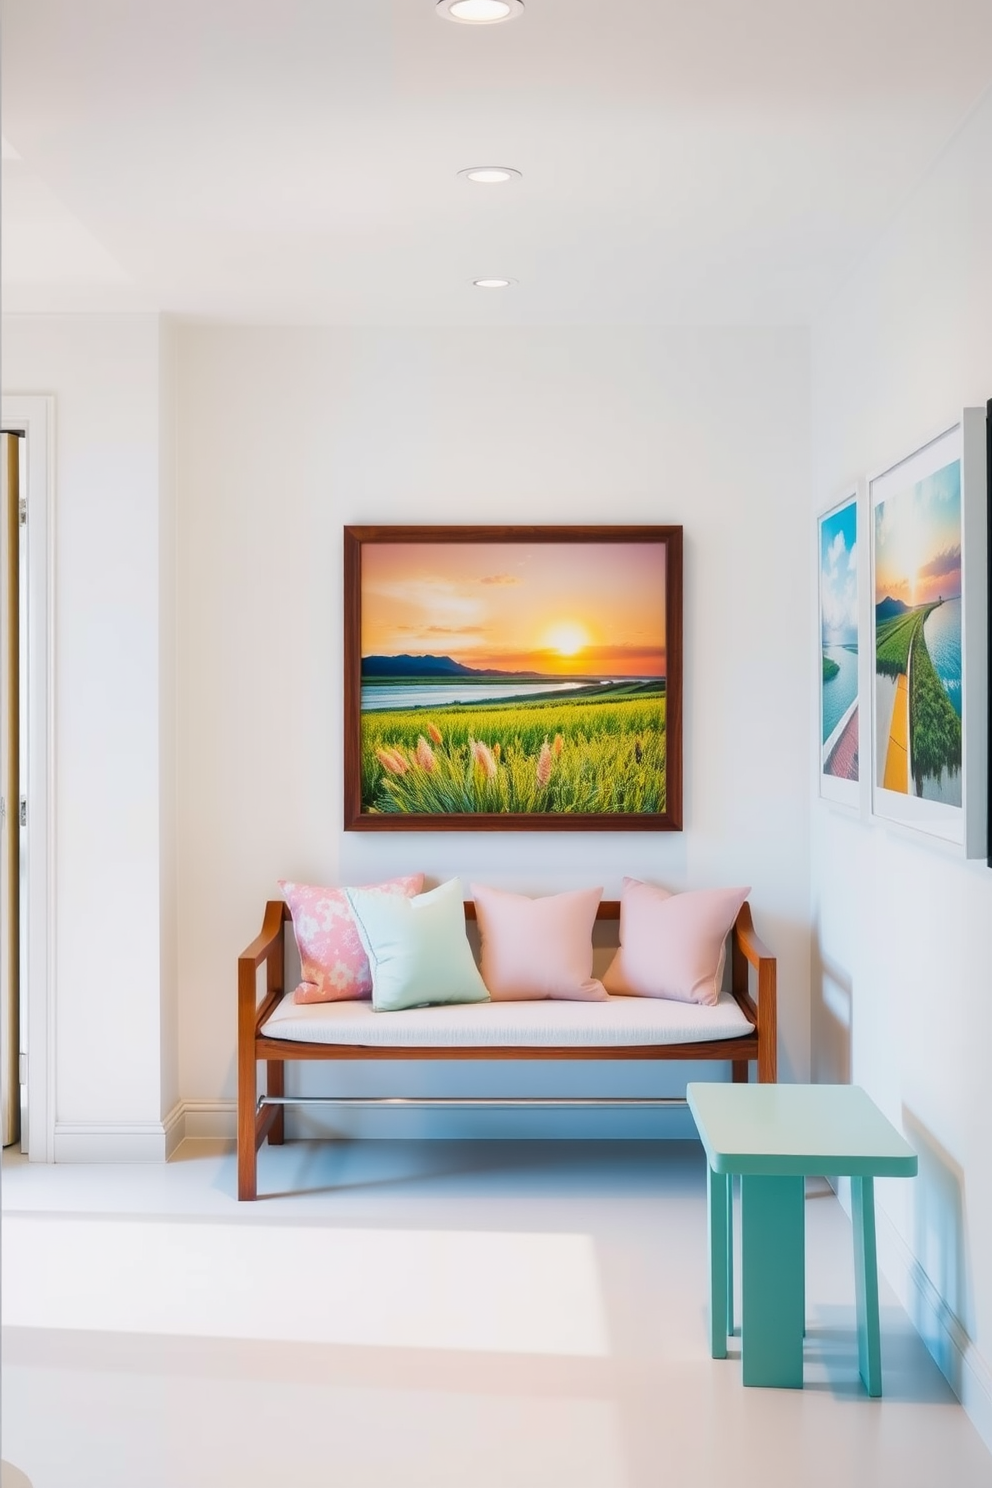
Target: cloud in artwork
{"type": "Point", "coordinates": [947, 562]}
{"type": "Point", "coordinates": [839, 592]}
{"type": "Point", "coordinates": [835, 552]}
{"type": "Point", "coordinates": [499, 578]}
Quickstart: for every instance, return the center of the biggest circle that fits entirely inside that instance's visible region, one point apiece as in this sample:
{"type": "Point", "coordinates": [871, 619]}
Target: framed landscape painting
{"type": "Point", "coordinates": [513, 678]}
{"type": "Point", "coordinates": [839, 661]}
{"type": "Point", "coordinates": [929, 639]}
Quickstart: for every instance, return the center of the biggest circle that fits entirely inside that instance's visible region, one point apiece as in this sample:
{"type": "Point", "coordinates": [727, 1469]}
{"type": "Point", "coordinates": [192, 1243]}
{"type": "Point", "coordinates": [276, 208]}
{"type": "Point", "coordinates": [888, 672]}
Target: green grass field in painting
{"type": "Point", "coordinates": [893, 640]}
{"type": "Point", "coordinates": [935, 728]}
{"type": "Point", "coordinates": [585, 755]}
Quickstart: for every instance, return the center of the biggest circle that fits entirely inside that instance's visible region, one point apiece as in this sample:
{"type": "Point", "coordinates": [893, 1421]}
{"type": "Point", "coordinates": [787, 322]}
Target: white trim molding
{"type": "Point", "coordinates": [119, 1141]}
{"type": "Point", "coordinates": [210, 1121]}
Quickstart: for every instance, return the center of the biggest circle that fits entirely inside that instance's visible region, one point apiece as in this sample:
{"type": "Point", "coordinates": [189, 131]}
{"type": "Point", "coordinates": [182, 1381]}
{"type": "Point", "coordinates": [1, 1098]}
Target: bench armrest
{"type": "Point", "coordinates": [750, 952]}
{"type": "Point", "coordinates": [268, 947]}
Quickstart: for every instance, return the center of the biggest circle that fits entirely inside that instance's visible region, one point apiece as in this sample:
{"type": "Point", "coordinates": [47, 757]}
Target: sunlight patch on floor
{"type": "Point", "coordinates": [386, 1288]}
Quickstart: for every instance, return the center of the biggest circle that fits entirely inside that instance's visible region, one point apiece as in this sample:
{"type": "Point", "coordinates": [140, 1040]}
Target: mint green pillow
{"type": "Point", "coordinates": [417, 948]}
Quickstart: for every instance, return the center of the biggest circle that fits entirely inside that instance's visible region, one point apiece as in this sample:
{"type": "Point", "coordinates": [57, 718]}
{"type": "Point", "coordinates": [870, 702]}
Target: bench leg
{"type": "Point", "coordinates": [721, 1261]}
{"type": "Point", "coordinates": [247, 1148]}
{"type": "Point", "coordinates": [741, 1071]}
{"type": "Point", "coordinates": [275, 1084]}
{"type": "Point", "coordinates": [866, 1283]}
{"type": "Point", "coordinates": [773, 1280]}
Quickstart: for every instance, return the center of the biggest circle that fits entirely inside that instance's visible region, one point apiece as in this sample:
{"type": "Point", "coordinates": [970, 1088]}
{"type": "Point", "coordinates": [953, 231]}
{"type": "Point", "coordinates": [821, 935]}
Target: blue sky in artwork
{"type": "Point", "coordinates": [839, 577]}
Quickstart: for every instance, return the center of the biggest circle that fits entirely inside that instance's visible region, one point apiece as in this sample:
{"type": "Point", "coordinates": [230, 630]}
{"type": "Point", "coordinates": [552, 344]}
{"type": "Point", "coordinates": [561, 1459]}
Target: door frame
{"type": "Point", "coordinates": [34, 415]}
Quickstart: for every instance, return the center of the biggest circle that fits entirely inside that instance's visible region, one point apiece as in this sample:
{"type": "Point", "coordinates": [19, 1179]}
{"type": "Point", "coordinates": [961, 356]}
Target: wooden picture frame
{"type": "Point", "coordinates": [537, 673]}
{"type": "Point", "coordinates": [927, 517]}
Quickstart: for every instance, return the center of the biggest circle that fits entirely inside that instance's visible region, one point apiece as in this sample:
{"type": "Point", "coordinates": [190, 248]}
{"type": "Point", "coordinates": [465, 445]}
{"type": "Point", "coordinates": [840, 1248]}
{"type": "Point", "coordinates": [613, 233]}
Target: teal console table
{"type": "Point", "coordinates": [773, 1136]}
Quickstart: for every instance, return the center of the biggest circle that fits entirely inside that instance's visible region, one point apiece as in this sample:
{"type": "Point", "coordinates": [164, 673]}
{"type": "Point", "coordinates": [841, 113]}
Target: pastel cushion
{"type": "Point", "coordinates": [672, 945]}
{"type": "Point", "coordinates": [417, 948]}
{"type": "Point", "coordinates": [538, 948]}
{"type": "Point", "coordinates": [333, 963]}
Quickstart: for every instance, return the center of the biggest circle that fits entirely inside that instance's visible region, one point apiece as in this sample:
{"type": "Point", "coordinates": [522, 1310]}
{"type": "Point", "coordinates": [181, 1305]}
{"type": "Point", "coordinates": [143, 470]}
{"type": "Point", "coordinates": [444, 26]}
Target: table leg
{"type": "Point", "coordinates": [773, 1280]}
{"type": "Point", "coordinates": [721, 1300]}
{"type": "Point", "coordinates": [730, 1255]}
{"type": "Point", "coordinates": [866, 1283]}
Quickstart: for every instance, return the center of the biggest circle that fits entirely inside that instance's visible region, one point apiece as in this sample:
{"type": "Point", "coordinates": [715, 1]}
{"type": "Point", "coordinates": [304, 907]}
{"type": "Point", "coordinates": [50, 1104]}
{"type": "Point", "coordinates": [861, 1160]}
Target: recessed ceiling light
{"type": "Point", "coordinates": [479, 12]}
{"type": "Point", "coordinates": [490, 175]}
{"type": "Point", "coordinates": [493, 283]}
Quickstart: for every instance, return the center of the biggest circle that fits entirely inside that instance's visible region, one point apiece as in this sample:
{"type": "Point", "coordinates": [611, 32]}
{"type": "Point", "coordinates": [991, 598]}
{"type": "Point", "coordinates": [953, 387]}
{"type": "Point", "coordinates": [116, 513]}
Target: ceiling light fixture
{"type": "Point", "coordinates": [490, 175]}
{"type": "Point", "coordinates": [479, 12]}
{"type": "Point", "coordinates": [493, 283]}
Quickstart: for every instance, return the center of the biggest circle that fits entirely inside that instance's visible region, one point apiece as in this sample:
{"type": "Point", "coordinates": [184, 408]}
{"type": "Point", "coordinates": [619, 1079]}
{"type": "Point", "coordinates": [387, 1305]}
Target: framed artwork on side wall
{"type": "Point", "coordinates": [840, 660]}
{"type": "Point", "coordinates": [928, 521]}
{"type": "Point", "coordinates": [513, 678]}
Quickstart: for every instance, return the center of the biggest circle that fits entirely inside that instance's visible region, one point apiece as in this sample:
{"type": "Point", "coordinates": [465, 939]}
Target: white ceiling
{"type": "Point", "coordinates": [295, 160]}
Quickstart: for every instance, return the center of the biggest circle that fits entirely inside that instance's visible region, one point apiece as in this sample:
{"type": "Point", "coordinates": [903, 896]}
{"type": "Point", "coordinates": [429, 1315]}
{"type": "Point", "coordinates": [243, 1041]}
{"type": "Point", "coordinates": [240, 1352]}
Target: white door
{"type": "Point", "coordinates": [11, 577]}
{"type": "Point", "coordinates": [27, 1103]}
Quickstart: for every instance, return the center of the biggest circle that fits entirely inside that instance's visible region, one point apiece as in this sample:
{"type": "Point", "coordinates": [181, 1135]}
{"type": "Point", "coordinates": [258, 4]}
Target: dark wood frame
{"type": "Point", "coordinates": [356, 820]}
{"type": "Point", "coordinates": [268, 949]}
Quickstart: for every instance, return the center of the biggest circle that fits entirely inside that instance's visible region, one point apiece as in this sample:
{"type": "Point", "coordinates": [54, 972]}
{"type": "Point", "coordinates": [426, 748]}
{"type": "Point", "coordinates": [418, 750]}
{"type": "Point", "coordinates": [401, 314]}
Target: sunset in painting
{"type": "Point", "coordinates": [569, 609]}
{"type": "Point", "coordinates": [514, 678]}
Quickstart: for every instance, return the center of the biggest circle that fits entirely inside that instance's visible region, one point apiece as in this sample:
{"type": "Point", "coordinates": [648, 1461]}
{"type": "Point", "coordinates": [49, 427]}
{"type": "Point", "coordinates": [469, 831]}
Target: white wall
{"type": "Point", "coordinates": [106, 376]}
{"type": "Point", "coordinates": [904, 931]}
{"type": "Point", "coordinates": [286, 435]}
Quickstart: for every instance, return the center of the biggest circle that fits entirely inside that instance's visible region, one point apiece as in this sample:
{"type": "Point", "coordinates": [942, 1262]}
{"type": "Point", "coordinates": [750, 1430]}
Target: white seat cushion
{"type": "Point", "coordinates": [618, 1021]}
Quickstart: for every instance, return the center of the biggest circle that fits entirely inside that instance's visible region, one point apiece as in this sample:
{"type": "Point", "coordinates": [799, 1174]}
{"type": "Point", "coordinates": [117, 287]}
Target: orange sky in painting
{"type": "Point", "coordinates": [567, 609]}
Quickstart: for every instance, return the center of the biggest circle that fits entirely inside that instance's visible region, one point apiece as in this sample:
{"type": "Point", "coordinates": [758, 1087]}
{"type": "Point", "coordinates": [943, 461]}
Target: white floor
{"type": "Point", "coordinates": [452, 1315]}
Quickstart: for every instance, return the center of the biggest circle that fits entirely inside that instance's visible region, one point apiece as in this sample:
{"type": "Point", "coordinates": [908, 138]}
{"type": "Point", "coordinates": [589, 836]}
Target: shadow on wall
{"type": "Point", "coordinates": [941, 1305]}
{"type": "Point", "coordinates": [831, 1004]}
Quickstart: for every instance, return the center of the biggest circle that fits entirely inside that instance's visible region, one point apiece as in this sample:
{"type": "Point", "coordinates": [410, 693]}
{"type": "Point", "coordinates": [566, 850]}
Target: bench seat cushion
{"type": "Point", "coordinates": [617, 1021]}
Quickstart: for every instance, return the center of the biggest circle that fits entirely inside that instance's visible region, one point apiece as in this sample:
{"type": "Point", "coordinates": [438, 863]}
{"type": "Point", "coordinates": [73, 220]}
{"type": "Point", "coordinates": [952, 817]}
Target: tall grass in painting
{"type": "Point", "coordinates": [604, 756]}
{"type": "Point", "coordinates": [894, 639]}
{"type": "Point", "coordinates": [935, 728]}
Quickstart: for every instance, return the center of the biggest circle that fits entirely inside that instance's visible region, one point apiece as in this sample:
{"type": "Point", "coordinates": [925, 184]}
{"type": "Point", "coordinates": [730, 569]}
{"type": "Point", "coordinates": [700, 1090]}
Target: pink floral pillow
{"type": "Point", "coordinates": [333, 962]}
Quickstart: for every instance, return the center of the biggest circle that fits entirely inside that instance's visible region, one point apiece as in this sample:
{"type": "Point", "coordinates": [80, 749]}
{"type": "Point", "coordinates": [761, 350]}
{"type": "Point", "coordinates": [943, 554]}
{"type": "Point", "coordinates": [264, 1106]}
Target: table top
{"type": "Point", "coordinates": [797, 1129]}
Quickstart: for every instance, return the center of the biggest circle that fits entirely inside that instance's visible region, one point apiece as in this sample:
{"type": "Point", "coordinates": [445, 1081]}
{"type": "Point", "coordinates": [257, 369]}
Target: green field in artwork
{"type": "Point", "coordinates": [603, 754]}
{"type": "Point", "coordinates": [894, 639]}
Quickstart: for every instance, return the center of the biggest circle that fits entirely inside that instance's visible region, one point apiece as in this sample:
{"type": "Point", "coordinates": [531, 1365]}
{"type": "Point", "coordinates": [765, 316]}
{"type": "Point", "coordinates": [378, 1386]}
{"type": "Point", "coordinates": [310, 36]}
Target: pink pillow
{"type": "Point", "coordinates": [538, 948]}
{"type": "Point", "coordinates": [672, 945]}
{"type": "Point", "coordinates": [333, 962]}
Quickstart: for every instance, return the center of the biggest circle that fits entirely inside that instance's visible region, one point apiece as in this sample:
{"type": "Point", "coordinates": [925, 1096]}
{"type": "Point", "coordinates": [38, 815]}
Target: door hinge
{"type": "Point", "coordinates": [24, 811]}
{"type": "Point", "coordinates": [22, 1069]}
{"type": "Point", "coordinates": [22, 510]}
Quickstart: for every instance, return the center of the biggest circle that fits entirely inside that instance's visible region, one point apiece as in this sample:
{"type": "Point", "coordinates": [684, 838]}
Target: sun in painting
{"type": "Point", "coordinates": [567, 637]}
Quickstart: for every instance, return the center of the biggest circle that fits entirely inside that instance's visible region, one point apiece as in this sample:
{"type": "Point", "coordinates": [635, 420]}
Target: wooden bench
{"type": "Point", "coordinates": [752, 987]}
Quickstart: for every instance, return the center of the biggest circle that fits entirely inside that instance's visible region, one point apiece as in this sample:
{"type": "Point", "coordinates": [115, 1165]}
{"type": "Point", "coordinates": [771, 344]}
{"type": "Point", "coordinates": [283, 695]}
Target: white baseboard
{"type": "Point", "coordinates": [210, 1120]}
{"type": "Point", "coordinates": [954, 1353]}
{"type": "Point", "coordinates": [119, 1141]}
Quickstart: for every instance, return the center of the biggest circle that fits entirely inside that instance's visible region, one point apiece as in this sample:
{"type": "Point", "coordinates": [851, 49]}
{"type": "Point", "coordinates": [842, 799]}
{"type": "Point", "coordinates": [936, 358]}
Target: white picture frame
{"type": "Point", "coordinates": [927, 521]}
{"type": "Point", "coordinates": [841, 716]}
